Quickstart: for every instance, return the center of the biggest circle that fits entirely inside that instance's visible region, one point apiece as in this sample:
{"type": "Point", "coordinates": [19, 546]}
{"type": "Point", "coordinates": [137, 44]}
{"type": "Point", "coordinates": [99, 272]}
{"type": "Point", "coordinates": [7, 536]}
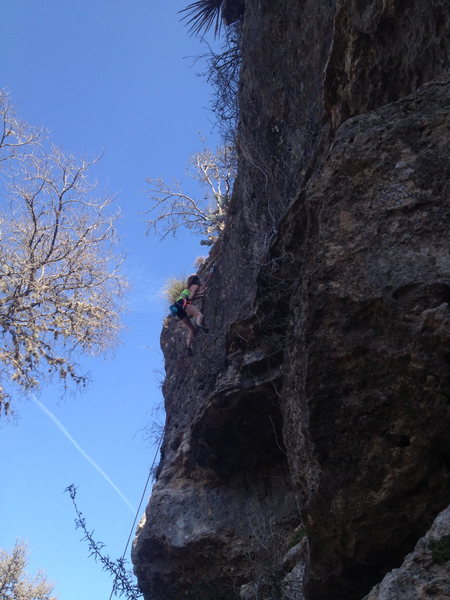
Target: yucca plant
{"type": "Point", "coordinates": [203, 14]}
{"type": "Point", "coordinates": [172, 288]}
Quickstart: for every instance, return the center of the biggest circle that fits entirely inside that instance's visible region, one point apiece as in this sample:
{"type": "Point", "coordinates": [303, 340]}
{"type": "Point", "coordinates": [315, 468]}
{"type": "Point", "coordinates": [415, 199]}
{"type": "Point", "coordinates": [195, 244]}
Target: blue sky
{"type": "Point", "coordinates": [119, 78]}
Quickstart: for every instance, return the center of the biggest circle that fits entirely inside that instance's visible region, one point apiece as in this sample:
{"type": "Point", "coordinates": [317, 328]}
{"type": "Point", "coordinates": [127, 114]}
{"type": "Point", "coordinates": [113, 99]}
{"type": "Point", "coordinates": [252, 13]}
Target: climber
{"type": "Point", "coordinates": [184, 309]}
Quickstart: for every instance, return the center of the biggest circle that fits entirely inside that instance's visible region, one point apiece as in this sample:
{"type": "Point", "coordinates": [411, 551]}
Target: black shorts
{"type": "Point", "coordinates": [178, 311]}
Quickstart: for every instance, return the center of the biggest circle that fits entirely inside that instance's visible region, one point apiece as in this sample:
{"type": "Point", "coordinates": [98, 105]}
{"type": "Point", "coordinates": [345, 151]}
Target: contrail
{"type": "Point", "coordinates": [84, 454]}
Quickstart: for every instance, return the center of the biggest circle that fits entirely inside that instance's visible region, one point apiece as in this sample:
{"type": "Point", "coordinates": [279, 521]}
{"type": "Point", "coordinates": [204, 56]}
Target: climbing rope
{"type": "Point", "coordinates": [140, 503]}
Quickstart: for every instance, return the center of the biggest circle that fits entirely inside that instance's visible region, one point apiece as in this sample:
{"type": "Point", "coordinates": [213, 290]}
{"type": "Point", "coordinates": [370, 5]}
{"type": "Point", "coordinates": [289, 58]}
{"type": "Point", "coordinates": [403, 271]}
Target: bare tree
{"type": "Point", "coordinates": [15, 135]}
{"type": "Point", "coordinates": [59, 281]}
{"type": "Point", "coordinates": [223, 74]}
{"type": "Point", "coordinates": [123, 579]}
{"type": "Point", "coordinates": [173, 208]}
{"type": "Point", "coordinates": [14, 582]}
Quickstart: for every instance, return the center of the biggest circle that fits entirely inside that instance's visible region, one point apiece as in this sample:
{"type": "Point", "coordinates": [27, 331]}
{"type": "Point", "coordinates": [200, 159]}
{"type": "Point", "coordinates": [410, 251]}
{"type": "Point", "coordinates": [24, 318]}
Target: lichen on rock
{"type": "Point", "coordinates": [425, 573]}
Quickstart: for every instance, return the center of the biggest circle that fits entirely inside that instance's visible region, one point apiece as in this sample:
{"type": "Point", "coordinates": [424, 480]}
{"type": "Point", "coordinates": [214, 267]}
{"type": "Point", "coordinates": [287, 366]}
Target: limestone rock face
{"type": "Point", "coordinates": [380, 49]}
{"type": "Point", "coordinates": [232, 10]}
{"type": "Point", "coordinates": [306, 446]}
{"type": "Point", "coordinates": [366, 418]}
{"type": "Point", "coordinates": [425, 573]}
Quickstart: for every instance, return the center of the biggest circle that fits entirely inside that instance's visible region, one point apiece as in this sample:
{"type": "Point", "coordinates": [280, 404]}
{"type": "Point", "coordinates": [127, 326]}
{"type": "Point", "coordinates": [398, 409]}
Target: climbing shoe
{"type": "Point", "coordinates": [202, 329]}
{"type": "Point", "coordinates": [190, 351]}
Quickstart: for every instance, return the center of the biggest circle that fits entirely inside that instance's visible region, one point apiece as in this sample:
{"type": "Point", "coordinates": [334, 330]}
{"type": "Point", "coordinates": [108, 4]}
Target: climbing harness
{"type": "Point", "coordinates": [177, 308]}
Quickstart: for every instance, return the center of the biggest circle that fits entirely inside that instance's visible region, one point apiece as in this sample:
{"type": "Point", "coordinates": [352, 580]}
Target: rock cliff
{"type": "Point", "coordinates": [307, 446]}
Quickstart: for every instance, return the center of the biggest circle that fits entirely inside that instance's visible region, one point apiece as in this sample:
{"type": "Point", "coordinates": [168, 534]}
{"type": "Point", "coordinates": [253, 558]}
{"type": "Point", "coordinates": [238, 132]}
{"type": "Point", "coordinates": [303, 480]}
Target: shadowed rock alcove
{"type": "Point", "coordinates": [240, 435]}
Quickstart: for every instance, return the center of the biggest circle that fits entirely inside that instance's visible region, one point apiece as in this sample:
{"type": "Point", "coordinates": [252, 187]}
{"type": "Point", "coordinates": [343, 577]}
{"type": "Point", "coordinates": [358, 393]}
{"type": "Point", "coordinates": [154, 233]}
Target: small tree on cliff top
{"type": "Point", "coordinates": [173, 208]}
{"type": "Point", "coordinates": [59, 280]}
